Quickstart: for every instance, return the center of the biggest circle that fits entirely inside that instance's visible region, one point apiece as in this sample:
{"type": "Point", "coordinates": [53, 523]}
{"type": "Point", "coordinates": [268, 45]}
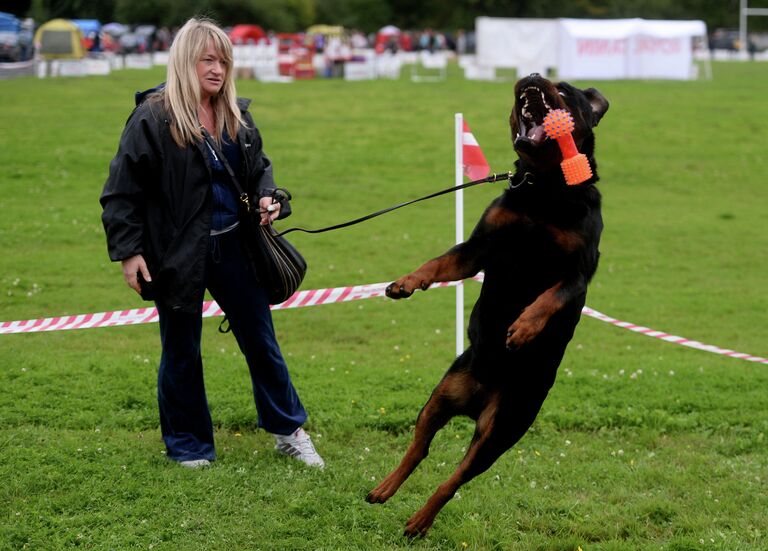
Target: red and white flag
{"type": "Point", "coordinates": [475, 165]}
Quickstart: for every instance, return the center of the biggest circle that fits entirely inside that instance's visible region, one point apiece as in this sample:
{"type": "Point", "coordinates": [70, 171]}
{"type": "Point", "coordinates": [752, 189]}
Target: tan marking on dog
{"type": "Point", "coordinates": [568, 241]}
{"type": "Point", "coordinates": [535, 316]}
{"type": "Point", "coordinates": [499, 216]}
{"type": "Point", "coordinates": [485, 422]}
{"type": "Point", "coordinates": [549, 302]}
{"type": "Point", "coordinates": [459, 387]}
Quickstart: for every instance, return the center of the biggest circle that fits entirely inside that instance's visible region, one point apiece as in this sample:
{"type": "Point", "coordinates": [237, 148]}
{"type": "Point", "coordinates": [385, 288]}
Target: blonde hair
{"type": "Point", "coordinates": [181, 95]}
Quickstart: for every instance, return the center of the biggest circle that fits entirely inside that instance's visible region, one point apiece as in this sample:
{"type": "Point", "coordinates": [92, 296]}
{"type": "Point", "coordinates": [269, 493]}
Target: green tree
{"type": "Point", "coordinates": [140, 11]}
{"type": "Point", "coordinates": [365, 15]}
{"type": "Point", "coordinates": [44, 10]}
{"type": "Point", "coordinates": [370, 15]}
{"type": "Point", "coordinates": [19, 8]}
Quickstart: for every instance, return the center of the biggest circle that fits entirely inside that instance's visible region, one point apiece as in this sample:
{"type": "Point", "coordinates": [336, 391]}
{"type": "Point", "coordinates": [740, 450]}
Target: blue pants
{"type": "Point", "coordinates": [185, 419]}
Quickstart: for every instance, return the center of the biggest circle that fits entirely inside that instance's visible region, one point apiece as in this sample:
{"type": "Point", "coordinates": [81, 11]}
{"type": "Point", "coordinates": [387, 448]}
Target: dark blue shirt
{"type": "Point", "coordinates": [225, 200]}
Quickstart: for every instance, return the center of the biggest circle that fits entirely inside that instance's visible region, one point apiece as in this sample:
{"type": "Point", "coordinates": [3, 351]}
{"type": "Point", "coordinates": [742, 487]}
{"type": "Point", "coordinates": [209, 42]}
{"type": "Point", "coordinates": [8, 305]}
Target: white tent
{"type": "Point", "coordinates": [528, 45]}
{"type": "Point", "coordinates": [627, 48]}
{"type": "Point", "coordinates": [590, 48]}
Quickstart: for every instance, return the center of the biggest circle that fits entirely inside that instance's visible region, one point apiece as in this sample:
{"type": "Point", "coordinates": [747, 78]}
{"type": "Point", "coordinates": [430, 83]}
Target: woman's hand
{"type": "Point", "coordinates": [269, 210]}
{"type": "Point", "coordinates": [132, 267]}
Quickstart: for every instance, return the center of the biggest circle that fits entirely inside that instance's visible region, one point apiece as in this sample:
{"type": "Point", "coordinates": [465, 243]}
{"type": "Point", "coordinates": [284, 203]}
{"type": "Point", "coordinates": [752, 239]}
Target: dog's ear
{"type": "Point", "coordinates": [599, 104]}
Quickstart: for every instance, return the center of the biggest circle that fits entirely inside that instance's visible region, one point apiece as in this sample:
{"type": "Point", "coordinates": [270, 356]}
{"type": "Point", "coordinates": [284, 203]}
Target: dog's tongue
{"type": "Point", "coordinates": [537, 134]}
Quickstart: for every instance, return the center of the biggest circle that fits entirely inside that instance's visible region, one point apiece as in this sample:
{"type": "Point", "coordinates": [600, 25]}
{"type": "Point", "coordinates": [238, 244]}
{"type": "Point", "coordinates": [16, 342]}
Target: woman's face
{"type": "Point", "coordinates": [211, 70]}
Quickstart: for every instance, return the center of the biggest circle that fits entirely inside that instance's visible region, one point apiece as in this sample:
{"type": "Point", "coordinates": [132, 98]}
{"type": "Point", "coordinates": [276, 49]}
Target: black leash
{"type": "Point", "coordinates": [283, 194]}
{"type": "Point", "coordinates": [492, 178]}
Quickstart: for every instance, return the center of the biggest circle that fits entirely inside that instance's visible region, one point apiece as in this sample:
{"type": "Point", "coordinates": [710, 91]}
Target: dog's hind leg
{"type": "Point", "coordinates": [433, 416]}
{"type": "Point", "coordinates": [449, 398]}
{"type": "Point", "coordinates": [494, 435]}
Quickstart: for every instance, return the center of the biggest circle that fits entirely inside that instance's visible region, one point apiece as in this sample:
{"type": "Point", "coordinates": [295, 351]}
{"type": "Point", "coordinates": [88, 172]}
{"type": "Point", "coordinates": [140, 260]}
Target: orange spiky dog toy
{"type": "Point", "coordinates": [558, 124]}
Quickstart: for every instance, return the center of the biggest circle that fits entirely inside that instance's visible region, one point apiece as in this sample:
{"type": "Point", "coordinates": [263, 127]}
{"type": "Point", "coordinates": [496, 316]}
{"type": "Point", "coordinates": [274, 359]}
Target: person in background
{"type": "Point", "coordinates": [171, 218]}
{"type": "Point", "coordinates": [461, 42]}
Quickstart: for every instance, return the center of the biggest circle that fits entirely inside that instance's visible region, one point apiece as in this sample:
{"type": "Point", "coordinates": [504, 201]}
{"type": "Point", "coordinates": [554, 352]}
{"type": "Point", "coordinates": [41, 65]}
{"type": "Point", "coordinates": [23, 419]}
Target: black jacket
{"type": "Point", "coordinates": [158, 201]}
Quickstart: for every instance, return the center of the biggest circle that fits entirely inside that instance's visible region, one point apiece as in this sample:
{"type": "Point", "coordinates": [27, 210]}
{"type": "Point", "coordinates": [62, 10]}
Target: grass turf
{"type": "Point", "coordinates": [640, 445]}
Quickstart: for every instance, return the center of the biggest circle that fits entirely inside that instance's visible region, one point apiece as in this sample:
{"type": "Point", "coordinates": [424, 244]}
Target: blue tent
{"type": "Point", "coordinates": [9, 22]}
{"type": "Point", "coordinates": [10, 48]}
{"type": "Point", "coordinates": [87, 26]}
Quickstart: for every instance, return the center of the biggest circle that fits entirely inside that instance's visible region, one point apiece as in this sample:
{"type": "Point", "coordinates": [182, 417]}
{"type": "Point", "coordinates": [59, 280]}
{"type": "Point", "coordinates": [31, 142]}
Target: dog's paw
{"type": "Point", "coordinates": [418, 525]}
{"type": "Point", "coordinates": [405, 286]}
{"type": "Point", "coordinates": [397, 290]}
{"type": "Point", "coordinates": [378, 495]}
{"type": "Point", "coordinates": [522, 332]}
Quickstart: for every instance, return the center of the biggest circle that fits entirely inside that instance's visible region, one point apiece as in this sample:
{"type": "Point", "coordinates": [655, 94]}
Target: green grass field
{"type": "Point", "coordinates": [641, 444]}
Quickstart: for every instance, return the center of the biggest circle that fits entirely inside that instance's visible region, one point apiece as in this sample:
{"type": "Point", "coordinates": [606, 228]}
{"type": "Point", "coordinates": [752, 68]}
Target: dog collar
{"type": "Point", "coordinates": [515, 180]}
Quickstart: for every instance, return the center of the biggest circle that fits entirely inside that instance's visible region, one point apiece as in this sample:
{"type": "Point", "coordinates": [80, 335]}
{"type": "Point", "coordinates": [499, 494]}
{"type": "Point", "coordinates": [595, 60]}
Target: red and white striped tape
{"type": "Point", "coordinates": [316, 297]}
{"type": "Point", "coordinates": [587, 311]}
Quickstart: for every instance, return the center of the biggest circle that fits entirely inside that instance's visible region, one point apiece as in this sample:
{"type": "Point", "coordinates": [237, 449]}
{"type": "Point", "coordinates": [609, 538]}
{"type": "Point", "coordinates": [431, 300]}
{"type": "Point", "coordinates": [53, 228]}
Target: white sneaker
{"type": "Point", "coordinates": [195, 463]}
{"type": "Point", "coordinates": [299, 445]}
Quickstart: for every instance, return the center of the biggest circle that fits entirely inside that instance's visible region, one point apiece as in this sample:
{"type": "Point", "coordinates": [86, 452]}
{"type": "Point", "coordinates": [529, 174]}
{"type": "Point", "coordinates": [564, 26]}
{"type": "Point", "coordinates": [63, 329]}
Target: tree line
{"type": "Point", "coordinates": [370, 15]}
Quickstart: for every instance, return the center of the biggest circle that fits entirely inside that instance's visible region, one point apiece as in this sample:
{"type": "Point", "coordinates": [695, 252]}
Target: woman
{"type": "Point", "coordinates": [170, 215]}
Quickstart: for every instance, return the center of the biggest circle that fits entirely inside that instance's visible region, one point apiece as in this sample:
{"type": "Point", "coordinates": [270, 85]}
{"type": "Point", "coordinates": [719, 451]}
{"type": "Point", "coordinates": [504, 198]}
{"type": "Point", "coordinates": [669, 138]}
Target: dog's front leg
{"type": "Point", "coordinates": [535, 316]}
{"type": "Point", "coordinates": [451, 266]}
{"type": "Point", "coordinates": [460, 262]}
{"type": "Point", "coordinates": [421, 278]}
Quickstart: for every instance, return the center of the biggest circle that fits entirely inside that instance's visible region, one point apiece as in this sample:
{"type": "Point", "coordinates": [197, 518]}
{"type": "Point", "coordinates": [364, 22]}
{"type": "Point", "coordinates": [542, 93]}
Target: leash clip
{"type": "Point", "coordinates": [525, 180]}
{"type": "Point", "coordinates": [246, 201]}
{"type": "Point", "coordinates": [496, 177]}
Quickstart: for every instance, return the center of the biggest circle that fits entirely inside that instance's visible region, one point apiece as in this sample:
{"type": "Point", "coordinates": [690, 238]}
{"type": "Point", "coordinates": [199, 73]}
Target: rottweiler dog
{"type": "Point", "coordinates": [538, 246]}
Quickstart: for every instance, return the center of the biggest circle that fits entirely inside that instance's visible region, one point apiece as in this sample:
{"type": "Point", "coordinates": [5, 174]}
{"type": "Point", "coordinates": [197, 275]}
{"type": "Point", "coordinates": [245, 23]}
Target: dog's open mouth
{"type": "Point", "coordinates": [533, 108]}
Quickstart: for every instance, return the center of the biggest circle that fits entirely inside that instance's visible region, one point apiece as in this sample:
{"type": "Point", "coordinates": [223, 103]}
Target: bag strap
{"type": "Point", "coordinates": [224, 325]}
{"type": "Point", "coordinates": [242, 195]}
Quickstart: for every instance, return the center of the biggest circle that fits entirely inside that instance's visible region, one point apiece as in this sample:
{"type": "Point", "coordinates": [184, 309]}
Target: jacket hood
{"type": "Point", "coordinates": [141, 96]}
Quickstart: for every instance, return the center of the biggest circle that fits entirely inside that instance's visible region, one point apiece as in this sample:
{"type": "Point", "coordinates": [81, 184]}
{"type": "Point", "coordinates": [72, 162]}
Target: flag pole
{"type": "Point", "coordinates": [459, 133]}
